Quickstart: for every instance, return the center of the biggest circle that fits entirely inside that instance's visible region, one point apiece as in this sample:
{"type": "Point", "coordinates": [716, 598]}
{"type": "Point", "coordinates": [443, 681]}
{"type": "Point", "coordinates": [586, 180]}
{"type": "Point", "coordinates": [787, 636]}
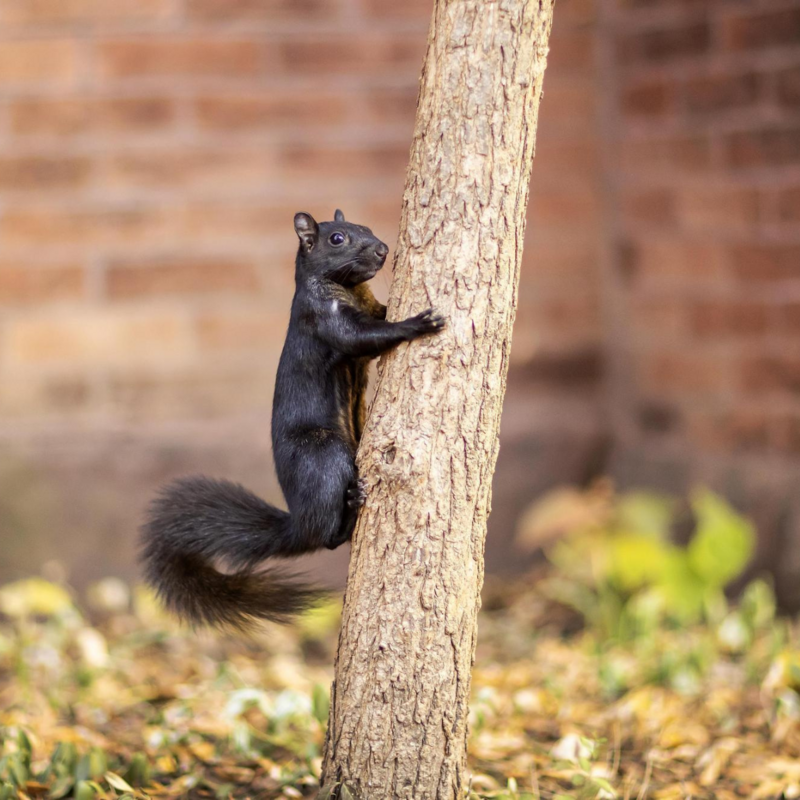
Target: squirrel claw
{"type": "Point", "coordinates": [428, 321]}
{"type": "Point", "coordinates": [357, 493]}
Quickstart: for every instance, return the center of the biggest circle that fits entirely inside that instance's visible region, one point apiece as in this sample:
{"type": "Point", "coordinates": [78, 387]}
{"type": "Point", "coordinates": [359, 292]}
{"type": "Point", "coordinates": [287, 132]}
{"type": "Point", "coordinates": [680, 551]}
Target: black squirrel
{"type": "Point", "coordinates": [318, 413]}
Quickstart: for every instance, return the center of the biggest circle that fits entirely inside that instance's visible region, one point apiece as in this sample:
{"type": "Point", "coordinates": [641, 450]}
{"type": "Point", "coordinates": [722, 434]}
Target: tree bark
{"type": "Point", "coordinates": [398, 722]}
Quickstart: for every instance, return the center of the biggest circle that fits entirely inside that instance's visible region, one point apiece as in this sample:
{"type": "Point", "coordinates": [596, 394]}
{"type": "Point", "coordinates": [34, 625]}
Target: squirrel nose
{"type": "Point", "coordinates": [381, 250]}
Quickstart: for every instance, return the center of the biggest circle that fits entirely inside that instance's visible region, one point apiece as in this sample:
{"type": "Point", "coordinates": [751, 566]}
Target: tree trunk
{"type": "Point", "coordinates": [398, 722]}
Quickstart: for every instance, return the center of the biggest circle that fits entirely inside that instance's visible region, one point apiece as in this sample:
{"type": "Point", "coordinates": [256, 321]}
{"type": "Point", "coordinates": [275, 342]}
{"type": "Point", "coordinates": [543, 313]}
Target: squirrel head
{"type": "Point", "coordinates": [340, 251]}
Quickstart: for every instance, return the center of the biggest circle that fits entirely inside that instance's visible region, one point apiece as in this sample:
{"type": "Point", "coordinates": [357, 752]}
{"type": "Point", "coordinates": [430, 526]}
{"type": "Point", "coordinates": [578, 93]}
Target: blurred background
{"type": "Point", "coordinates": [153, 153]}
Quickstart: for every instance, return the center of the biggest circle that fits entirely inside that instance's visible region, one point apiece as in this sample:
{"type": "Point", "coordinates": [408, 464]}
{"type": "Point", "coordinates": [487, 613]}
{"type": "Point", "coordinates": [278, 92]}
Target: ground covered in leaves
{"type": "Point", "coordinates": [101, 696]}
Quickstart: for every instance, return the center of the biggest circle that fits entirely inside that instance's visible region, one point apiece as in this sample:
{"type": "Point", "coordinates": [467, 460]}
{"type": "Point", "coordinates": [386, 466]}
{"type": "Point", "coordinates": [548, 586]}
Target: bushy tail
{"type": "Point", "coordinates": [195, 523]}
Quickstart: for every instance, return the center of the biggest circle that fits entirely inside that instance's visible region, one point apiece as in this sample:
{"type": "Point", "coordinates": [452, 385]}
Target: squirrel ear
{"type": "Point", "coordinates": [338, 216]}
{"type": "Point", "coordinates": [307, 230]}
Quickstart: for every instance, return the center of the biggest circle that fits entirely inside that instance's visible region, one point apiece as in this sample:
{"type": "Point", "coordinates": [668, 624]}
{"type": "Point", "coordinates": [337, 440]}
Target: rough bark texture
{"type": "Point", "coordinates": [400, 697]}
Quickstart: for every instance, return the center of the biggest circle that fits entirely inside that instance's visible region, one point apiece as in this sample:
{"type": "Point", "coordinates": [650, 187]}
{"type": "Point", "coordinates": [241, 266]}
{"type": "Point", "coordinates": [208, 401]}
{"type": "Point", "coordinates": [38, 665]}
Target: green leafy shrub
{"type": "Point", "coordinates": [618, 565]}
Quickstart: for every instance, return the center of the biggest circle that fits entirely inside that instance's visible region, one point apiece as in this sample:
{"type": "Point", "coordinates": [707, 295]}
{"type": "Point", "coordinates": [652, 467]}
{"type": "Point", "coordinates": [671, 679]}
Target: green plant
{"type": "Point", "coordinates": [616, 562]}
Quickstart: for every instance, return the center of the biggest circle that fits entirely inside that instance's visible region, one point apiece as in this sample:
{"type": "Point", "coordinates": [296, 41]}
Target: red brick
{"type": "Point", "coordinates": [656, 4]}
{"type": "Point", "coordinates": [763, 262]}
{"type": "Point", "coordinates": [383, 9]}
{"type": "Point", "coordinates": [560, 155]}
{"type": "Point", "coordinates": [189, 392]}
{"type": "Point", "coordinates": [569, 105]}
{"type": "Point", "coordinates": [557, 209]}
{"type": "Point", "coordinates": [722, 319]}
{"type": "Point", "coordinates": [43, 172]}
{"type": "Point", "coordinates": [64, 226]}
{"type": "Point", "coordinates": [788, 202]}
{"type": "Point", "coordinates": [236, 220]}
{"type": "Point", "coordinates": [96, 336]}
{"type": "Point", "coordinates": [575, 53]}
{"type": "Point", "coordinates": [65, 392]}
{"type": "Point", "coordinates": [658, 317]}
{"type": "Point", "coordinates": [556, 259]}
{"type": "Point", "coordinates": [227, 11]}
{"type": "Point", "coordinates": [681, 374]}
{"type": "Point", "coordinates": [771, 373]}
{"type": "Point", "coordinates": [566, 322]}
{"type": "Point", "coordinates": [47, 62]}
{"type": "Point", "coordinates": [789, 87]}
{"type": "Point", "coordinates": [703, 430]}
{"type": "Point", "coordinates": [143, 227]}
{"type": "Point", "coordinates": [675, 258]}
{"type": "Point", "coordinates": [648, 98]}
{"type": "Point", "coordinates": [574, 14]}
{"type": "Point", "coordinates": [267, 111]}
{"type": "Point", "coordinates": [137, 114]}
{"type": "Point", "coordinates": [344, 163]}
{"type": "Point", "coordinates": [664, 44]}
{"type": "Point", "coordinates": [762, 30]}
{"type": "Point", "coordinates": [125, 280]}
{"type": "Point", "coordinates": [746, 428]}
{"type": "Point", "coordinates": [787, 318]}
{"type": "Point", "coordinates": [60, 12]}
{"type": "Point", "coordinates": [196, 57]}
{"type": "Point", "coordinates": [33, 284]}
{"type": "Point", "coordinates": [785, 433]}
{"type": "Point", "coordinates": [240, 330]}
{"type": "Point", "coordinates": [712, 94]}
{"type": "Point", "coordinates": [27, 394]}
{"type": "Point", "coordinates": [392, 104]}
{"type": "Point", "coordinates": [665, 154]}
{"type": "Point", "coordinates": [655, 206]}
{"type": "Point", "coordinates": [186, 168]}
{"type": "Point", "coordinates": [737, 429]}
{"type": "Point", "coordinates": [578, 368]}
{"type": "Point", "coordinates": [375, 54]}
{"type": "Point", "coordinates": [77, 116]}
{"type": "Point", "coordinates": [712, 207]}
{"type": "Point", "coordinates": [763, 147]}
{"type": "Point", "coordinates": [53, 116]}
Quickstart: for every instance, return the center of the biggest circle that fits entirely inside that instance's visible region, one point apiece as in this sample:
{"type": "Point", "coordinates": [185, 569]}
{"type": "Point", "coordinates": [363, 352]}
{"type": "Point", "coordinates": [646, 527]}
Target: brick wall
{"type": "Point", "coordinates": [706, 277]}
{"type": "Point", "coordinates": [152, 153]}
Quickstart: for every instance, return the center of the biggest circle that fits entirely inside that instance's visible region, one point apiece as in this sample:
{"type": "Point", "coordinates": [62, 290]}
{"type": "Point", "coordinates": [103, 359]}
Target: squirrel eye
{"type": "Point", "coordinates": [337, 238]}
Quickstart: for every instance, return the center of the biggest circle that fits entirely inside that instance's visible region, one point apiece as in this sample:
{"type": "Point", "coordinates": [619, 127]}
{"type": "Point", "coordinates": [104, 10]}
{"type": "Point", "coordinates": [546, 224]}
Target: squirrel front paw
{"type": "Point", "coordinates": [426, 322]}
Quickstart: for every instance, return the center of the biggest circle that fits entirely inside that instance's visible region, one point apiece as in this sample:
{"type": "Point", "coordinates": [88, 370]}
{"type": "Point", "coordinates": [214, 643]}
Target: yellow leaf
{"type": "Point", "coordinates": [784, 672]}
{"type": "Point", "coordinates": [33, 596]}
{"type": "Point", "coordinates": [683, 732]}
{"type": "Point", "coordinates": [715, 759]}
{"type": "Point", "coordinates": [116, 782]}
{"type": "Point", "coordinates": [202, 750]}
{"type": "Point", "coordinates": [166, 764]}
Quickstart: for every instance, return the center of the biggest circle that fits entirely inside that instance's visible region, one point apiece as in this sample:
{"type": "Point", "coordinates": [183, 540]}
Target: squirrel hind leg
{"type": "Point", "coordinates": [355, 496]}
{"type": "Point", "coordinates": [323, 513]}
